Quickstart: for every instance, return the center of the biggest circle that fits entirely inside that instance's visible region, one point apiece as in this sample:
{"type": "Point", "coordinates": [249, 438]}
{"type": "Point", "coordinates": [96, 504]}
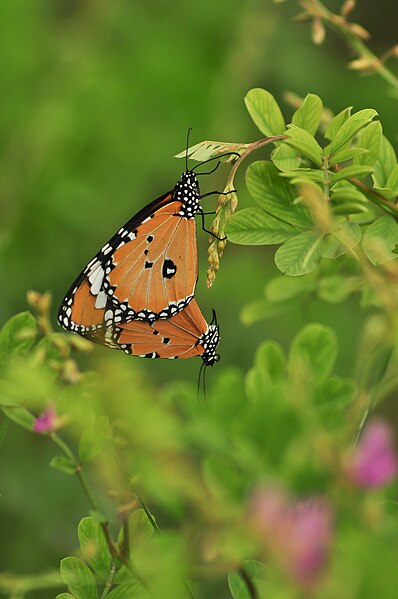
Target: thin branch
{"type": "Point", "coordinates": [109, 582]}
{"type": "Point", "coordinates": [113, 548]}
{"type": "Point", "coordinates": [351, 33]}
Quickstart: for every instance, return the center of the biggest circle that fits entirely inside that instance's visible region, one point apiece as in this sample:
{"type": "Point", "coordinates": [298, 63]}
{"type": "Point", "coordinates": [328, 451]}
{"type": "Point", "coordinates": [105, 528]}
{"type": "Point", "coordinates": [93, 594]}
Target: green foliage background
{"type": "Point", "coordinates": [96, 99]}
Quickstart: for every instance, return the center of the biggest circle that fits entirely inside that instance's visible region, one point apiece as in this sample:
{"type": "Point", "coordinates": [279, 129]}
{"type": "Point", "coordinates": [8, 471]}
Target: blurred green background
{"type": "Point", "coordinates": [96, 97]}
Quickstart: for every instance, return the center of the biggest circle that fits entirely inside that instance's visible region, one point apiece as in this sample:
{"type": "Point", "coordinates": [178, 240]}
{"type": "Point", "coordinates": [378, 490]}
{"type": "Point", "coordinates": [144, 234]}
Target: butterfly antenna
{"type": "Point", "coordinates": [214, 319]}
{"type": "Point", "coordinates": [204, 384]}
{"type": "Point", "coordinates": [199, 380]}
{"type": "Point", "coordinates": [186, 149]}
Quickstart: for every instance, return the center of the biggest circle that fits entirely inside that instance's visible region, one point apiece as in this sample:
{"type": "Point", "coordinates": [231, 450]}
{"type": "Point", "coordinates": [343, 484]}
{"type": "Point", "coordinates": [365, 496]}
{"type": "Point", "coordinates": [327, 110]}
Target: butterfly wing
{"type": "Point", "coordinates": [178, 337]}
{"type": "Point", "coordinates": [153, 272]}
{"type": "Point", "coordinates": [148, 270]}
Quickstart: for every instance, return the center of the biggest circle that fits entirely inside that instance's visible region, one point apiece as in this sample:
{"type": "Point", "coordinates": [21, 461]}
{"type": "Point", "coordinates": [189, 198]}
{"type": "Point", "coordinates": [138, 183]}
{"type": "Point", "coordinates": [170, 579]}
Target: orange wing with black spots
{"type": "Point", "coordinates": [184, 335]}
{"type": "Point", "coordinates": [147, 271]}
{"type": "Point", "coordinates": [154, 274]}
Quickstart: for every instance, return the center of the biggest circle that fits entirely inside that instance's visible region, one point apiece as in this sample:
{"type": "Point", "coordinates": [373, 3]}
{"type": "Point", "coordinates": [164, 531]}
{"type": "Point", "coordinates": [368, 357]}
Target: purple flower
{"type": "Point", "coordinates": [297, 534]}
{"type": "Point", "coordinates": [46, 422]}
{"type": "Point", "coordinates": [374, 462]}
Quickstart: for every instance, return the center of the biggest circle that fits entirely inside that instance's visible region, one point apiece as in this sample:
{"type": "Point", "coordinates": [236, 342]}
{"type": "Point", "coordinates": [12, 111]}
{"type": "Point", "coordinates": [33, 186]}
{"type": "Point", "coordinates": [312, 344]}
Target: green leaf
{"type": "Point", "coordinates": [253, 226]}
{"type": "Point", "coordinates": [275, 195]}
{"type": "Point", "coordinates": [313, 353]}
{"type": "Point", "coordinates": [392, 181]}
{"type": "Point", "coordinates": [336, 288]}
{"type": "Point", "coordinates": [63, 464]}
{"type": "Point", "coordinates": [20, 416]}
{"type": "Point", "coordinates": [346, 235]}
{"type": "Point", "coordinates": [256, 572]}
{"type": "Point", "coordinates": [304, 175]}
{"type": "Point", "coordinates": [139, 526]}
{"type": "Point", "coordinates": [386, 162]}
{"type": "Point", "coordinates": [281, 288]}
{"type": "Point", "coordinates": [337, 122]}
{"type": "Point", "coordinates": [347, 154]}
{"type": "Point", "coordinates": [348, 172]}
{"type": "Point", "coordinates": [79, 578]}
{"type": "Point", "coordinates": [211, 149]}
{"type": "Point", "coordinates": [370, 140]}
{"type": "Point", "coordinates": [386, 192]}
{"type": "Point", "coordinates": [133, 590]}
{"type": "Point", "coordinates": [332, 398]}
{"type": "Point", "coordinates": [265, 112]}
{"type": "Point", "coordinates": [305, 143]}
{"type": "Point", "coordinates": [270, 360]}
{"type": "Point", "coordinates": [17, 336]}
{"type": "Point", "coordinates": [344, 191]}
{"type": "Point", "coordinates": [349, 208]}
{"type": "Point", "coordinates": [308, 116]}
{"type": "Point", "coordinates": [380, 240]}
{"type": "Point", "coordinates": [285, 158]}
{"type": "Point", "coordinates": [351, 127]}
{"type": "Point", "coordinates": [65, 596]}
{"type": "Point", "coordinates": [93, 545]}
{"type": "Point", "coordinates": [301, 254]}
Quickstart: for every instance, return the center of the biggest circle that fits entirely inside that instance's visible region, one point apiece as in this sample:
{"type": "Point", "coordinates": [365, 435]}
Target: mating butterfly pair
{"type": "Point", "coordinates": [137, 293]}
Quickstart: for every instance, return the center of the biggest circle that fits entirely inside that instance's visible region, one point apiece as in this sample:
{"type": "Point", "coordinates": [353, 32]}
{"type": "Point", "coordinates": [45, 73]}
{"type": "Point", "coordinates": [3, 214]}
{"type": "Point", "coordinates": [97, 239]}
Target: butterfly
{"type": "Point", "coordinates": [148, 269]}
{"type": "Point", "coordinates": [146, 273]}
{"type": "Point", "coordinates": [184, 335]}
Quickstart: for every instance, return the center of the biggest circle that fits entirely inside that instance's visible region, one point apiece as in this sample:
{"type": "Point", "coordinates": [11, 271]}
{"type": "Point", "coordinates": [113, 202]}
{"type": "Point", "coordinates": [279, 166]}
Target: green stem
{"type": "Point", "coordinates": [252, 148]}
{"type": "Point", "coordinates": [113, 548]}
{"type": "Point", "coordinates": [145, 508]}
{"type": "Point", "coordinates": [314, 8]}
{"type": "Point", "coordinates": [109, 582]}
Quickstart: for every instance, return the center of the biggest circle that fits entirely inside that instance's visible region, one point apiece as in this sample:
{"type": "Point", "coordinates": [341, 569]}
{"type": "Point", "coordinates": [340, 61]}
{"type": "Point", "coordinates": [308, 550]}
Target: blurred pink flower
{"type": "Point", "coordinates": [46, 422]}
{"type": "Point", "coordinates": [374, 462]}
{"type": "Point", "coordinates": [297, 534]}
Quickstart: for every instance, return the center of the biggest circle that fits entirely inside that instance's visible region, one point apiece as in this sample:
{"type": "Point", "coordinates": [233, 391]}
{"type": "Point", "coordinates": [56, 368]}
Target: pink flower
{"type": "Point", "coordinates": [374, 462]}
{"type": "Point", "coordinates": [46, 422]}
{"type": "Point", "coordinates": [297, 534]}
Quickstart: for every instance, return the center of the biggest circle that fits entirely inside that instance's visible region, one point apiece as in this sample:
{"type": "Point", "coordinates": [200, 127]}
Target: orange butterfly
{"type": "Point", "coordinates": [184, 335]}
{"type": "Point", "coordinates": [146, 272]}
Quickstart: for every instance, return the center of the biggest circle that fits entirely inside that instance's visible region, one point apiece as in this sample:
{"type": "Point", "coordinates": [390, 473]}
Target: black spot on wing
{"type": "Point", "coordinates": [148, 264]}
{"type": "Point", "coordinates": [169, 269]}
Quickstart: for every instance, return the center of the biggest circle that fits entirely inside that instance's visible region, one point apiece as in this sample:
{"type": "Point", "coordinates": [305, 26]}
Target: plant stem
{"type": "Point", "coordinates": [145, 508]}
{"type": "Point", "coordinates": [109, 582]}
{"type": "Point", "coordinates": [113, 548]}
{"type": "Point", "coordinates": [338, 23]}
{"type": "Point", "coordinates": [255, 145]}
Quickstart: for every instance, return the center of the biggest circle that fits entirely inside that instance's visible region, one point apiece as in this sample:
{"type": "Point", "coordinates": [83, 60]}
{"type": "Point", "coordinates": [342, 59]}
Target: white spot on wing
{"type": "Point", "coordinates": [96, 278]}
{"type": "Point", "coordinates": [100, 301]}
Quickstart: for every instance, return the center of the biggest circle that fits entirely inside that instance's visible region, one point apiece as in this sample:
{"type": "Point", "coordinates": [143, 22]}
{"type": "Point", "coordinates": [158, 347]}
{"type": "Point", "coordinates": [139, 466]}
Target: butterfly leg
{"type": "Point", "coordinates": [207, 230]}
{"type": "Point", "coordinates": [219, 193]}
